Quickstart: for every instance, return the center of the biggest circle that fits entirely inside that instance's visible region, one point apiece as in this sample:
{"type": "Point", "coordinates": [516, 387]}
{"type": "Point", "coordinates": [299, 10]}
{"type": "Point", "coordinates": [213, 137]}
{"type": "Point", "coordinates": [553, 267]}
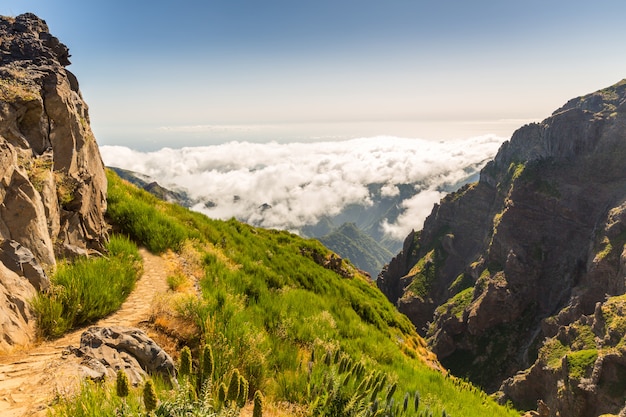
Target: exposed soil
{"type": "Point", "coordinates": [30, 379]}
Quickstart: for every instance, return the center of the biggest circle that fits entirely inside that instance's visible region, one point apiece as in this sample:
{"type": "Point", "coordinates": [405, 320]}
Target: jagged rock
{"type": "Point", "coordinates": [52, 180]}
{"type": "Point", "coordinates": [105, 350]}
{"type": "Point", "coordinates": [525, 255]}
{"type": "Point", "coordinates": [52, 168]}
{"type": "Point", "coordinates": [21, 261]}
{"type": "Point", "coordinates": [16, 324]}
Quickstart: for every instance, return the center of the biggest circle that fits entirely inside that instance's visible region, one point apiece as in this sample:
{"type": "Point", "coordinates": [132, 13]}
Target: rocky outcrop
{"type": "Point", "coordinates": [507, 263]}
{"type": "Point", "coordinates": [52, 180]}
{"type": "Point", "coordinates": [16, 326]}
{"type": "Point", "coordinates": [105, 350]}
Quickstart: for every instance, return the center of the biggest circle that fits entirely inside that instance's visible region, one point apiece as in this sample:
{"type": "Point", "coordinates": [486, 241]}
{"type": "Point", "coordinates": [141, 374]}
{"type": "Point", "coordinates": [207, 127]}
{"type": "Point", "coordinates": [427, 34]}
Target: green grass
{"type": "Point", "coordinates": [580, 363]}
{"type": "Point", "coordinates": [552, 352]}
{"type": "Point", "coordinates": [270, 308]}
{"type": "Point", "coordinates": [88, 289]}
{"type": "Point", "coordinates": [457, 304]}
{"type": "Point", "coordinates": [141, 218]}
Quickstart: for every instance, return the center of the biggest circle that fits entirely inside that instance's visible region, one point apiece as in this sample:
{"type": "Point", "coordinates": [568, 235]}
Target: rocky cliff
{"type": "Point", "coordinates": [523, 270]}
{"type": "Point", "coordinates": [52, 180]}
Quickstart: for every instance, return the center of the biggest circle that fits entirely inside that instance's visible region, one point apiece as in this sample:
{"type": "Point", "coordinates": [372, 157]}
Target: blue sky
{"type": "Point", "coordinates": [200, 72]}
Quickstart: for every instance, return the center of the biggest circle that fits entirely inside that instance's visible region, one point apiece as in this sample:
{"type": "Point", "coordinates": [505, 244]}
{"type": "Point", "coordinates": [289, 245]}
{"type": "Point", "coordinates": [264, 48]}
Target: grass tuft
{"type": "Point", "coordinates": [88, 289]}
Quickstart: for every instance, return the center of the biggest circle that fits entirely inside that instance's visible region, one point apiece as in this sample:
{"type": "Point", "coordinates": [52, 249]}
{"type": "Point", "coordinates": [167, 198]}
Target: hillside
{"type": "Point", "coordinates": [363, 251]}
{"type": "Point", "coordinates": [153, 187]}
{"type": "Point", "coordinates": [271, 301]}
{"type": "Point", "coordinates": [524, 270]}
{"type": "Point", "coordinates": [348, 241]}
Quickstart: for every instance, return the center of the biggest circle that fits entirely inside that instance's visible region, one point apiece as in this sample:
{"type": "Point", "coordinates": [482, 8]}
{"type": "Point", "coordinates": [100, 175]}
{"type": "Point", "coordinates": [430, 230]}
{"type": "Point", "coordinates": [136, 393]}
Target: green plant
{"type": "Point", "coordinates": [184, 368]}
{"type": "Point", "coordinates": [66, 188]}
{"type": "Point", "coordinates": [580, 363]}
{"type": "Point", "coordinates": [328, 343]}
{"type": "Point", "coordinates": [121, 384]}
{"type": "Point", "coordinates": [233, 387]}
{"type": "Point", "coordinates": [88, 288]}
{"type": "Point", "coordinates": [207, 364]}
{"type": "Point", "coordinates": [136, 213]}
{"type": "Point", "coordinates": [97, 400]}
{"type": "Point", "coordinates": [221, 393]}
{"type": "Point", "coordinates": [14, 90]}
{"type": "Point", "coordinates": [149, 396]}
{"type": "Point", "coordinates": [257, 411]}
{"type": "Point", "coordinates": [176, 281]}
{"type": "Point", "coordinates": [243, 392]}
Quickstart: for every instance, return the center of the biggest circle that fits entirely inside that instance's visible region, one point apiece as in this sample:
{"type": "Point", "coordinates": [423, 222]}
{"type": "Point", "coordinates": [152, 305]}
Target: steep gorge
{"type": "Point", "coordinates": [509, 267]}
{"type": "Point", "coordinates": [52, 180]}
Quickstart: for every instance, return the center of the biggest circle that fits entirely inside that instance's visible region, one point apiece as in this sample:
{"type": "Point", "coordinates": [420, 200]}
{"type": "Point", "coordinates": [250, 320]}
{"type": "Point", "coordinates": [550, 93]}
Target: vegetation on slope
{"type": "Point", "coordinates": [88, 289]}
{"type": "Point", "coordinates": [363, 251]}
{"type": "Point", "coordinates": [296, 326]}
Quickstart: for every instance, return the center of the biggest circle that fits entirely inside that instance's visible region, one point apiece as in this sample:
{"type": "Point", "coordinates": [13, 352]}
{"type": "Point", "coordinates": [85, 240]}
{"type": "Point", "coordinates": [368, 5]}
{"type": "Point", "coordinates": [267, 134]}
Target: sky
{"type": "Point", "coordinates": [195, 73]}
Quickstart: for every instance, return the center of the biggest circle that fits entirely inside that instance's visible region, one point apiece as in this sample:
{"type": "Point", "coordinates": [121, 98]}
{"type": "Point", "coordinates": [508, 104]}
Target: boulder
{"type": "Point", "coordinates": [16, 323]}
{"type": "Point", "coordinates": [21, 260]}
{"type": "Point", "coordinates": [105, 350]}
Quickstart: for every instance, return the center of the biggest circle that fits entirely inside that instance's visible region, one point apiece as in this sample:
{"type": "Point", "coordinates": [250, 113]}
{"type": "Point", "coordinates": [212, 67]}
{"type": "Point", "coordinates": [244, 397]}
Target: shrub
{"type": "Point", "coordinates": [580, 362]}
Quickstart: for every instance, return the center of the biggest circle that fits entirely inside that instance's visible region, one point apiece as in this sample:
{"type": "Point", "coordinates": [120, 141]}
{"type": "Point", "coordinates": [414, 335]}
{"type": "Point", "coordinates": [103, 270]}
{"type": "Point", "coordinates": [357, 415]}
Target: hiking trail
{"type": "Point", "coordinates": [30, 379]}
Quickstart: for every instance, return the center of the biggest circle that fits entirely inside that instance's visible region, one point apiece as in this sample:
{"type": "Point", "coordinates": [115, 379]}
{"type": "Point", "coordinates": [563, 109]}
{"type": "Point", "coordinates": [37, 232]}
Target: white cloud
{"type": "Point", "coordinates": [416, 208]}
{"type": "Point", "coordinates": [303, 181]}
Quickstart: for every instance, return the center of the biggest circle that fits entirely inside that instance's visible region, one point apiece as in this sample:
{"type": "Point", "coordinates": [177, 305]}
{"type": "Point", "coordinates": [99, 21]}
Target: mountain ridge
{"type": "Point", "coordinates": [531, 248]}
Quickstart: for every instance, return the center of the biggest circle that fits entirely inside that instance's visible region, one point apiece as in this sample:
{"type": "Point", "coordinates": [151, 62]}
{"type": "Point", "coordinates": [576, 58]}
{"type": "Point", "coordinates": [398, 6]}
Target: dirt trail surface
{"type": "Point", "coordinates": [29, 380]}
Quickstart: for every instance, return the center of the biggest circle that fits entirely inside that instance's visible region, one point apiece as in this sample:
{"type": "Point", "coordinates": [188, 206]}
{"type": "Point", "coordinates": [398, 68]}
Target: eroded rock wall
{"type": "Point", "coordinates": [52, 179]}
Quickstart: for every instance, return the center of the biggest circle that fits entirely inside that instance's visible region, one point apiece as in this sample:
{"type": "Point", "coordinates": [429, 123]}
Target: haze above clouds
{"type": "Point", "coordinates": [304, 181]}
{"type": "Point", "coordinates": [407, 68]}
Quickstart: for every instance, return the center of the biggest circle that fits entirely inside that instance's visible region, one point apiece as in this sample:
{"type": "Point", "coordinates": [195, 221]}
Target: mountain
{"type": "Point", "coordinates": [53, 188]}
{"type": "Point", "coordinates": [369, 218]}
{"type": "Point", "coordinates": [517, 280]}
{"type": "Point", "coordinates": [357, 231]}
{"type": "Point", "coordinates": [363, 251]}
{"type": "Point", "coordinates": [153, 187]}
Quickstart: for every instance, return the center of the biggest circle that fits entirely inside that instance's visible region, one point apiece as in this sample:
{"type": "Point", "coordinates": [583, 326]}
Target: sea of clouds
{"type": "Point", "coordinates": [304, 181]}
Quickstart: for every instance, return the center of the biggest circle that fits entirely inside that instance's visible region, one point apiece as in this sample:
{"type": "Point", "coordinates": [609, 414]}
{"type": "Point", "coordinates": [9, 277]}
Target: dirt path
{"type": "Point", "coordinates": [29, 380]}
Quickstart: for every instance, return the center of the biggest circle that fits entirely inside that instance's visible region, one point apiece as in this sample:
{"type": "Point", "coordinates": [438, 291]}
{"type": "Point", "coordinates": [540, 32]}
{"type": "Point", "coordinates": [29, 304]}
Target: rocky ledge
{"type": "Point", "coordinates": [52, 180]}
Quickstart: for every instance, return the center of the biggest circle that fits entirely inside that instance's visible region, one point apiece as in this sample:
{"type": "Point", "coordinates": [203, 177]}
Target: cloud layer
{"type": "Point", "coordinates": [304, 181]}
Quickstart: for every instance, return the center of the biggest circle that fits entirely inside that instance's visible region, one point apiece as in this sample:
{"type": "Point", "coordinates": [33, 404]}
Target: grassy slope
{"type": "Point", "coordinates": [267, 305]}
{"type": "Point", "coordinates": [351, 243]}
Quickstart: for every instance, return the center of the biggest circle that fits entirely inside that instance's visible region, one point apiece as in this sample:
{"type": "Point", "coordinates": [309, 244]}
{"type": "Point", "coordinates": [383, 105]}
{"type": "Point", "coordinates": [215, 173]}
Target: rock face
{"type": "Point", "coordinates": [52, 180]}
{"type": "Point", "coordinates": [504, 266]}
